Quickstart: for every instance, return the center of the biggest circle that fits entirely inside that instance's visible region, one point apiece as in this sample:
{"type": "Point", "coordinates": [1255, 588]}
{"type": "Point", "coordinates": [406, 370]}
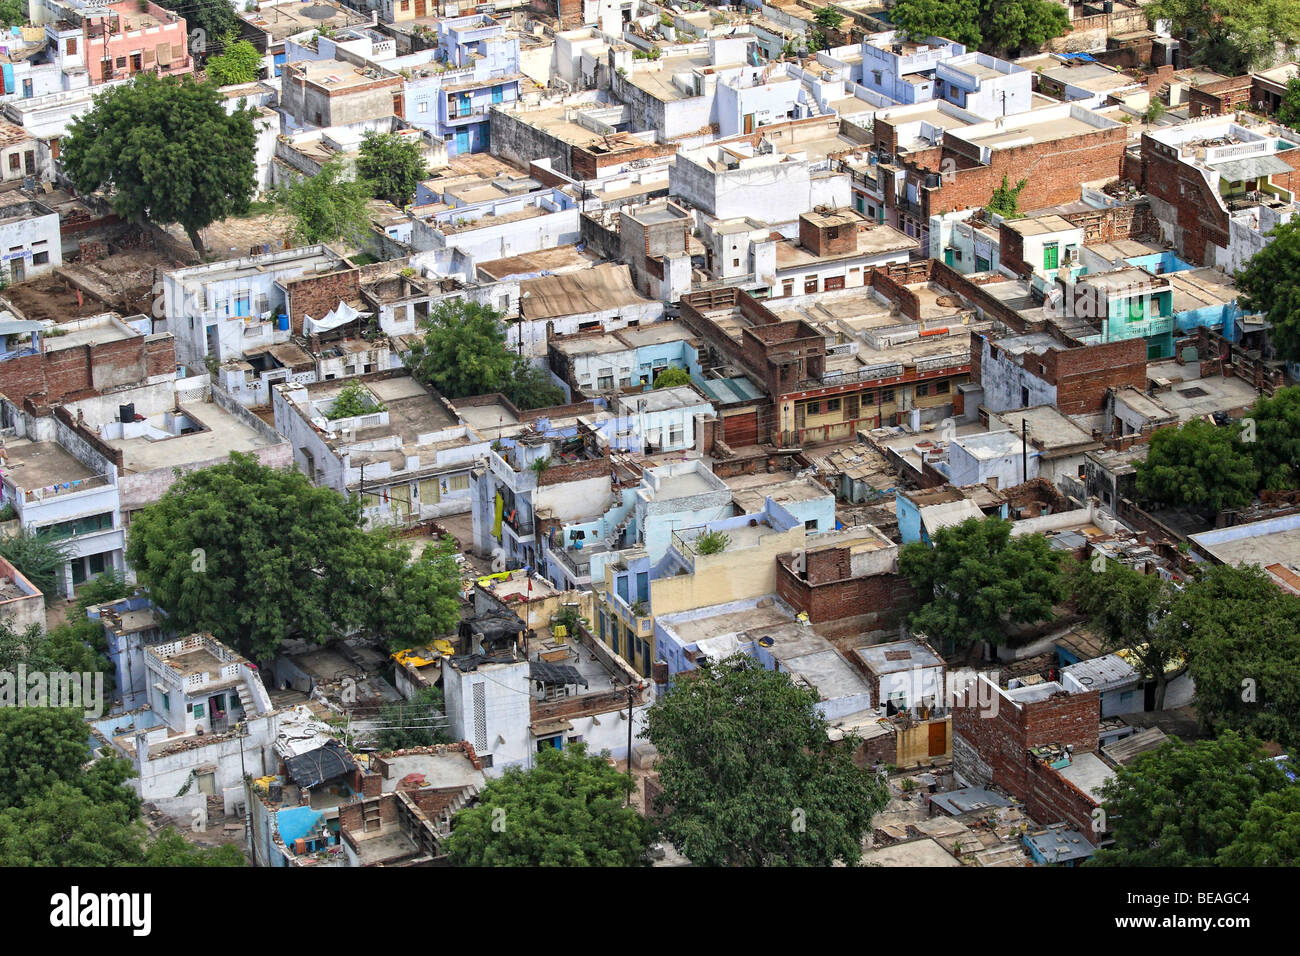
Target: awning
{"type": "Point", "coordinates": [342, 315]}
{"type": "Point", "coordinates": [549, 673]}
{"type": "Point", "coordinates": [1252, 167]}
{"type": "Point", "coordinates": [316, 766]}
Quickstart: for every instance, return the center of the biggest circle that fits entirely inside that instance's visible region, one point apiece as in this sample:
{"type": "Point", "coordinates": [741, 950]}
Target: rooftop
{"type": "Point", "coordinates": [221, 433]}
{"type": "Point", "coordinates": [30, 465]}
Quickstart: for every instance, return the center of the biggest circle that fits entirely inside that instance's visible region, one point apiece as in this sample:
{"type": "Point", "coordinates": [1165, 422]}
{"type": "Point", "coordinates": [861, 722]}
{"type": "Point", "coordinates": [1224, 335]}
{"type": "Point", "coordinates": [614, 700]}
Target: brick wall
{"type": "Point", "coordinates": [1082, 375]}
{"type": "Point", "coordinates": [829, 594]}
{"type": "Point", "coordinates": [1053, 799]}
{"type": "Point", "coordinates": [318, 295]}
{"type": "Point", "coordinates": [88, 369]}
{"type": "Point", "coordinates": [995, 749]}
{"type": "Point", "coordinates": [1224, 96]}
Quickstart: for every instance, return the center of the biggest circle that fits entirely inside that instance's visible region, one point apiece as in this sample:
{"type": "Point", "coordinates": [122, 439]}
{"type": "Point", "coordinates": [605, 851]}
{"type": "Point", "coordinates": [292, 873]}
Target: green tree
{"type": "Point", "coordinates": [39, 746]}
{"type": "Point", "coordinates": [957, 20]}
{"type": "Point", "coordinates": [672, 378]}
{"type": "Point", "coordinates": [239, 62]}
{"type": "Point", "coordinates": [1231, 37]}
{"type": "Point", "coordinates": [151, 144]}
{"type": "Point", "coordinates": [172, 849]}
{"type": "Point", "coordinates": [828, 17]}
{"type": "Point", "coordinates": [62, 826]}
{"type": "Point", "coordinates": [1181, 804]}
{"type": "Point", "coordinates": [13, 12]}
{"type": "Point", "coordinates": [255, 555]}
{"type": "Point", "coordinates": [39, 556]}
{"type": "Point", "coordinates": [414, 600]}
{"type": "Point", "coordinates": [1270, 834]}
{"type": "Point", "coordinates": [392, 164]}
{"type": "Point", "coordinates": [1128, 609]}
{"type": "Point", "coordinates": [1270, 284]}
{"type": "Point", "coordinates": [1009, 26]}
{"type": "Point", "coordinates": [568, 810]}
{"type": "Point", "coordinates": [1197, 465]}
{"type": "Point", "coordinates": [1288, 110]}
{"type": "Point", "coordinates": [464, 352]}
{"type": "Point", "coordinates": [351, 401]}
{"type": "Point", "coordinates": [327, 207]}
{"type": "Point", "coordinates": [1005, 200]}
{"type": "Point", "coordinates": [1243, 645]}
{"type": "Point", "coordinates": [1155, 109]}
{"type": "Point", "coordinates": [1275, 444]}
{"type": "Point", "coordinates": [977, 579]}
{"type": "Point", "coordinates": [749, 777]}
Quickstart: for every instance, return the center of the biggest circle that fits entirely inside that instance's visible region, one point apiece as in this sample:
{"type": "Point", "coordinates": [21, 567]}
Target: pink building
{"type": "Point", "coordinates": [133, 37]}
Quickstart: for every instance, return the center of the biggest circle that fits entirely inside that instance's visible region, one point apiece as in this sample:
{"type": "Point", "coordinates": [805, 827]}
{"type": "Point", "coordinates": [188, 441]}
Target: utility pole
{"type": "Point", "coordinates": [1024, 450]}
{"type": "Point", "coordinates": [630, 779]}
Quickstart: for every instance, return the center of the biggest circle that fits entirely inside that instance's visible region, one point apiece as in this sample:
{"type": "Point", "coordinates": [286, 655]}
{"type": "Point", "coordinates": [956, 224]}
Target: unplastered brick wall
{"type": "Point", "coordinates": [1053, 799]}
{"type": "Point", "coordinates": [1082, 375]}
{"type": "Point", "coordinates": [994, 747]}
{"type": "Point", "coordinates": [319, 295]}
{"type": "Point", "coordinates": [380, 765]}
{"type": "Point", "coordinates": [880, 599]}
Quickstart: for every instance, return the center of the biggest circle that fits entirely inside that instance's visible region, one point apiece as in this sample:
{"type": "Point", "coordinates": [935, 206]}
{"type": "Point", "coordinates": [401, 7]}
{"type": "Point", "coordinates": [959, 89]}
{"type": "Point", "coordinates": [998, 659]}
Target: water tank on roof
{"type": "Point", "coordinates": [126, 413]}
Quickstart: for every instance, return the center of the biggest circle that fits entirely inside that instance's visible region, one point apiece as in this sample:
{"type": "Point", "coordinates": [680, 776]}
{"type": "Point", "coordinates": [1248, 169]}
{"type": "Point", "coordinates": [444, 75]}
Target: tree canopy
{"type": "Point", "coordinates": [1182, 804]}
{"type": "Point", "coordinates": [393, 165]}
{"type": "Point", "coordinates": [1243, 645]}
{"type": "Point", "coordinates": [672, 377]}
{"type": "Point", "coordinates": [1128, 609]}
{"type": "Point", "coordinates": [1275, 444]}
{"type": "Point", "coordinates": [54, 811]}
{"type": "Point", "coordinates": [464, 352]}
{"type": "Point", "coordinates": [1270, 284]}
{"type": "Point", "coordinates": [165, 150]}
{"type": "Point", "coordinates": [748, 775]}
{"type": "Point", "coordinates": [238, 62]}
{"type": "Point", "coordinates": [1270, 834]}
{"type": "Point", "coordinates": [996, 26]}
{"type": "Point", "coordinates": [1197, 465]}
{"type": "Point", "coordinates": [328, 206]}
{"type": "Point", "coordinates": [1231, 37]}
{"type": "Point", "coordinates": [39, 556]}
{"type": "Point", "coordinates": [1288, 110]}
{"type": "Point", "coordinates": [976, 579]}
{"type": "Point", "coordinates": [255, 555]}
{"type": "Point", "coordinates": [568, 810]}
{"type": "Point", "coordinates": [13, 12]}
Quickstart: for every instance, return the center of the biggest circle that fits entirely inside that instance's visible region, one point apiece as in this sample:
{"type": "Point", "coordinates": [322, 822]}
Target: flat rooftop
{"type": "Point", "coordinates": [30, 465]}
{"type": "Point", "coordinates": [486, 417]}
{"type": "Point", "coordinates": [1267, 543]}
{"type": "Point", "coordinates": [225, 433]}
{"type": "Point", "coordinates": [751, 500]}
{"type": "Point", "coordinates": [1046, 427]}
{"type": "Point", "coordinates": [556, 259]}
{"type": "Point", "coordinates": [411, 410]}
{"type": "Point", "coordinates": [1194, 397]}
{"type": "Point", "coordinates": [96, 330]}
{"type": "Point", "coordinates": [897, 656]}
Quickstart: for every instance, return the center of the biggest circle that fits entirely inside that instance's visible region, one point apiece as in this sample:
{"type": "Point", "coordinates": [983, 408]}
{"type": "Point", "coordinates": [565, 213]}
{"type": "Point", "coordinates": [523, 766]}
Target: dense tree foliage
{"type": "Point", "coordinates": [1270, 834]}
{"type": "Point", "coordinates": [1181, 805]}
{"type": "Point", "coordinates": [40, 558]}
{"type": "Point", "coordinates": [1198, 465]}
{"type": "Point", "coordinates": [165, 150]}
{"type": "Point", "coordinates": [568, 810]}
{"type": "Point", "coordinates": [976, 579]}
{"type": "Point", "coordinates": [392, 165]}
{"type": "Point", "coordinates": [1231, 37]}
{"type": "Point", "coordinates": [1288, 110]}
{"type": "Point", "coordinates": [749, 777]}
{"type": "Point", "coordinates": [255, 555]}
{"type": "Point", "coordinates": [327, 207]}
{"type": "Point", "coordinates": [56, 812]}
{"type": "Point", "coordinates": [1270, 284]}
{"type": "Point", "coordinates": [13, 12]}
{"type": "Point", "coordinates": [1275, 442]}
{"type": "Point", "coordinates": [672, 377]}
{"type": "Point", "coordinates": [238, 62]}
{"type": "Point", "coordinates": [1243, 644]}
{"type": "Point", "coordinates": [464, 352]}
{"type": "Point", "coordinates": [995, 26]}
{"type": "Point", "coordinates": [1128, 609]}
{"type": "Point", "coordinates": [208, 21]}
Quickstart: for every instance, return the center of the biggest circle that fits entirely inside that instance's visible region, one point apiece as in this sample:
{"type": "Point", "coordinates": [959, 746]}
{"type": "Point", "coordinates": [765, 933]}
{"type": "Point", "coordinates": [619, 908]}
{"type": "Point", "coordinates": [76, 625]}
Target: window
{"type": "Point", "coordinates": [424, 106]}
{"type": "Point", "coordinates": [941, 388]}
{"type": "Point", "coordinates": [1137, 310]}
{"type": "Point", "coordinates": [735, 263]}
{"type": "Point", "coordinates": [167, 702]}
{"type": "Point", "coordinates": [40, 258]}
{"type": "Point", "coordinates": [922, 390]}
{"type": "Point", "coordinates": [814, 408]}
{"type": "Point", "coordinates": [810, 524]}
{"type": "Point", "coordinates": [72, 46]}
{"type": "Point", "coordinates": [458, 483]}
{"type": "Point", "coordinates": [832, 405]}
{"type": "Point", "coordinates": [15, 163]}
{"type": "Point", "coordinates": [875, 75]}
{"type": "Point", "coordinates": [887, 396]}
{"type": "Point", "coordinates": [120, 63]}
{"type": "Point", "coordinates": [810, 284]}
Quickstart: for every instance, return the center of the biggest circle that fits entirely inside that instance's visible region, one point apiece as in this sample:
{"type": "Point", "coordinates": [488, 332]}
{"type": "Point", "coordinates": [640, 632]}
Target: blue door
{"type": "Point", "coordinates": [496, 94]}
{"type": "Point", "coordinates": [462, 142]}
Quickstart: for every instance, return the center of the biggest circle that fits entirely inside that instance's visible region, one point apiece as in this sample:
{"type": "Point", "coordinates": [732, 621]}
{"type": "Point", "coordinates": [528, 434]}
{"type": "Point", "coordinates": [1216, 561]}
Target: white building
{"type": "Point", "coordinates": [29, 240]}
